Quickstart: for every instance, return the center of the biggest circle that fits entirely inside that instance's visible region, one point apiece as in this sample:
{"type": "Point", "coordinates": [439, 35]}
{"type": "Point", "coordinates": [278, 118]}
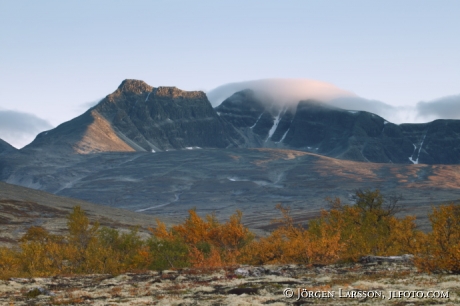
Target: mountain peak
{"type": "Point", "coordinates": [139, 117]}
{"type": "Point", "coordinates": [134, 86]}
{"type": "Point", "coordinates": [174, 92]}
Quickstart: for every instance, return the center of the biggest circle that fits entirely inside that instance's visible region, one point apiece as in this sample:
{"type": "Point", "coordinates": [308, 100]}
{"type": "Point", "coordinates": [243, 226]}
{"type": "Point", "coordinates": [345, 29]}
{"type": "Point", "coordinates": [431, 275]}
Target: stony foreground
{"type": "Point", "coordinates": [244, 285]}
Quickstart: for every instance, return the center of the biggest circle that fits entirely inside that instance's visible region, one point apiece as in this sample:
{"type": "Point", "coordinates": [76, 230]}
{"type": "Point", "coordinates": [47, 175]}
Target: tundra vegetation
{"type": "Point", "coordinates": [343, 233]}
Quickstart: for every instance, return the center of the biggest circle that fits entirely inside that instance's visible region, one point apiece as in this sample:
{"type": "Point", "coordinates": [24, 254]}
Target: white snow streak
{"type": "Point", "coordinates": [275, 125]}
{"type": "Point", "coordinates": [284, 136]}
{"type": "Point", "coordinates": [418, 153]}
{"type": "Point", "coordinates": [410, 157]}
{"type": "Point", "coordinates": [257, 120]}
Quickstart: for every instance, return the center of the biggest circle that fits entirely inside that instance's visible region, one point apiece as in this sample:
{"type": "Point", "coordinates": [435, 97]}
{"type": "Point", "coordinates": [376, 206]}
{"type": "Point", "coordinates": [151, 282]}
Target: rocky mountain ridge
{"type": "Point", "coordinates": [320, 128]}
{"type": "Point", "coordinates": [138, 117]}
{"type": "Point", "coordinates": [6, 148]}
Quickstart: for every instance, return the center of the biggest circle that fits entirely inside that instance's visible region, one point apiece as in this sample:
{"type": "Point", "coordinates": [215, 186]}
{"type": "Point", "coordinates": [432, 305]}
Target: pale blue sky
{"type": "Point", "coordinates": [58, 56]}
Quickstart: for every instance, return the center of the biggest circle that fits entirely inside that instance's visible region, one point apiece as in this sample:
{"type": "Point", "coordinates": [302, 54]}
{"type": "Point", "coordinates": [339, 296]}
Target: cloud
{"type": "Point", "coordinates": [283, 91]}
{"type": "Point", "coordinates": [394, 114]}
{"type": "Point", "coordinates": [445, 108]}
{"type": "Point", "coordinates": [358, 103]}
{"type": "Point", "coordinates": [291, 91]}
{"type": "Point", "coordinates": [19, 129]}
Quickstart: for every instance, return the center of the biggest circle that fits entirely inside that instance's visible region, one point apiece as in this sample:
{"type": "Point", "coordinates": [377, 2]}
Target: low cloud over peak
{"type": "Point", "coordinates": [286, 91]}
{"type": "Point", "coordinates": [19, 129]}
{"type": "Point", "coordinates": [445, 108]}
{"type": "Point", "coordinates": [291, 91]}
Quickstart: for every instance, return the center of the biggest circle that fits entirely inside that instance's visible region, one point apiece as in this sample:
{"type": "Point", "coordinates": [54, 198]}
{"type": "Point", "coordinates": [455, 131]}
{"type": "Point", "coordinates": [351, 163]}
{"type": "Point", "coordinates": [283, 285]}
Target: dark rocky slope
{"type": "Point", "coordinates": [138, 117]}
{"type": "Point", "coordinates": [6, 148]}
{"type": "Point", "coordinates": [316, 127]}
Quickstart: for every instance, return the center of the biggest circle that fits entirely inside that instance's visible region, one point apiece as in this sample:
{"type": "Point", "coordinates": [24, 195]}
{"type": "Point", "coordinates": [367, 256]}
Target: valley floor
{"type": "Point", "coordinates": [388, 283]}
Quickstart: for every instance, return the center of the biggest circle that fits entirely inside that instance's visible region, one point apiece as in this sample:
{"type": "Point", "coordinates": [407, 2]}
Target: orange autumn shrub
{"type": "Point", "coordinates": [343, 233]}
{"type": "Point", "coordinates": [292, 243]}
{"type": "Point", "coordinates": [441, 250]}
{"type": "Point", "coordinates": [370, 227]}
{"type": "Point", "coordinates": [9, 263]}
{"type": "Point", "coordinates": [208, 243]}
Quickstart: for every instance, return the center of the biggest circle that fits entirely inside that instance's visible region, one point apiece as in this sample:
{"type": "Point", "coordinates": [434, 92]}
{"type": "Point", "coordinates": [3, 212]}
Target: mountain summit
{"type": "Point", "coordinates": [139, 117]}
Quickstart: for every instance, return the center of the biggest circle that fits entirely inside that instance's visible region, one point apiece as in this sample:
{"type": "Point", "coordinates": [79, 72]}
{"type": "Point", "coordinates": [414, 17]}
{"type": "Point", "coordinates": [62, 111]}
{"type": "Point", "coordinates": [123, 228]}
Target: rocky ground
{"type": "Point", "coordinates": [390, 283]}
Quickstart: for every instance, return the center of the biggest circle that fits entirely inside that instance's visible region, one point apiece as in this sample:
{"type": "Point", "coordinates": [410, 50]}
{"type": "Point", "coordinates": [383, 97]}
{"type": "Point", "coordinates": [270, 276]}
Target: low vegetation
{"type": "Point", "coordinates": [342, 233]}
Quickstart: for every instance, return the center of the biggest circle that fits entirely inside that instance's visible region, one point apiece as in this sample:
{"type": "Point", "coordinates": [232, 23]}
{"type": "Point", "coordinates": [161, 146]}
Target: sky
{"type": "Point", "coordinates": [57, 58]}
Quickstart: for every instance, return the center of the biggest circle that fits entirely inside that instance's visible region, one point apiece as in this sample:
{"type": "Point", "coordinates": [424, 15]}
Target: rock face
{"type": "Point", "coordinates": [6, 148]}
{"type": "Point", "coordinates": [436, 142]}
{"type": "Point", "coordinates": [316, 127]}
{"type": "Point", "coordinates": [260, 122]}
{"type": "Point", "coordinates": [138, 117]}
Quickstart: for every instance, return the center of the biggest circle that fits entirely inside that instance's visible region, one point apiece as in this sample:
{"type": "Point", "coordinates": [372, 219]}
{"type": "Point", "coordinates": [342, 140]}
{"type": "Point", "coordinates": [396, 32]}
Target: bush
{"type": "Point", "coordinates": [342, 233]}
{"type": "Point", "coordinates": [441, 252]}
{"type": "Point", "coordinates": [292, 243]}
{"type": "Point", "coordinates": [208, 243]}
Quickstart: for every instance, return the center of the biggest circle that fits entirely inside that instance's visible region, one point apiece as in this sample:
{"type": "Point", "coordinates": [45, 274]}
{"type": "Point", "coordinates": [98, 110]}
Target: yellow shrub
{"type": "Point", "coordinates": [441, 251]}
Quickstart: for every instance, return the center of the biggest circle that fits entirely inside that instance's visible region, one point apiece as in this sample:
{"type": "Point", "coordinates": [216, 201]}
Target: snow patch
{"type": "Point", "coordinates": [418, 153]}
{"type": "Point", "coordinates": [257, 120]}
{"type": "Point", "coordinates": [284, 136]}
{"type": "Point", "coordinates": [153, 151]}
{"type": "Point", "coordinates": [275, 125]}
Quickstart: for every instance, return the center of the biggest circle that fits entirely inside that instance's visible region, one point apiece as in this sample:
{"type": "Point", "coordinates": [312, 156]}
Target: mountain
{"type": "Point", "coordinates": [255, 153]}
{"type": "Point", "coordinates": [6, 148]}
{"type": "Point", "coordinates": [138, 117]}
{"type": "Point", "coordinates": [321, 128]}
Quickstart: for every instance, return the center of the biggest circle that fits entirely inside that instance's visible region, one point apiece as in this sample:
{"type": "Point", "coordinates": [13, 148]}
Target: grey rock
{"type": "Point", "coordinates": [6, 148]}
